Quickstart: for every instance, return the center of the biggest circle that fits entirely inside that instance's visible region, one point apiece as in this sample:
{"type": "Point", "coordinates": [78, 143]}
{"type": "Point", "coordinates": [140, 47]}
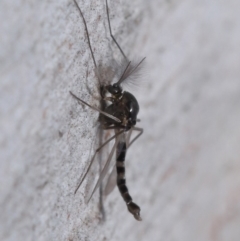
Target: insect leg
{"type": "Point", "coordinates": [105, 169]}
{"type": "Point", "coordinates": [110, 30]}
{"type": "Point", "coordinates": [89, 43]}
{"type": "Point", "coordinates": [138, 135]}
{"type": "Point", "coordinates": [111, 183]}
{"type": "Point", "coordinates": [91, 162]}
{"type": "Point", "coordinates": [95, 108]}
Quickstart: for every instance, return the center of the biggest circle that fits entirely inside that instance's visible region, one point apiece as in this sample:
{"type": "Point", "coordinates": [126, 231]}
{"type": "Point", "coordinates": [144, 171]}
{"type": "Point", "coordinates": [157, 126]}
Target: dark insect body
{"type": "Point", "coordinates": [119, 110]}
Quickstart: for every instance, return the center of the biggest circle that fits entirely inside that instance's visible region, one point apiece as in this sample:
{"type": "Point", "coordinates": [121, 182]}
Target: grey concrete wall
{"type": "Point", "coordinates": [184, 171]}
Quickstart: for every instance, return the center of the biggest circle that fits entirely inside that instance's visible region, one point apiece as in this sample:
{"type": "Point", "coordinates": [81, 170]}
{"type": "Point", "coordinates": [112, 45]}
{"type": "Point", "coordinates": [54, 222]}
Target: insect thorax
{"type": "Point", "coordinates": [123, 106]}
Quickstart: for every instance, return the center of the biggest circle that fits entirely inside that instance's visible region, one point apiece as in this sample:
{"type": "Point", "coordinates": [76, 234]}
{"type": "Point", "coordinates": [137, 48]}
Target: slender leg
{"type": "Point", "coordinates": [95, 108]}
{"type": "Point", "coordinates": [89, 43]}
{"type": "Point", "coordinates": [110, 30]}
{"type": "Point", "coordinates": [138, 135]}
{"type": "Point", "coordinates": [100, 159]}
{"type": "Point", "coordinates": [105, 169]}
{"type": "Point", "coordinates": [91, 162]}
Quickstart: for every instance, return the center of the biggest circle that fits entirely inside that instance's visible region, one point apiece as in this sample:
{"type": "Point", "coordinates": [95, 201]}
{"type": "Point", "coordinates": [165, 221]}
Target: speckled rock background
{"type": "Point", "coordinates": [184, 171]}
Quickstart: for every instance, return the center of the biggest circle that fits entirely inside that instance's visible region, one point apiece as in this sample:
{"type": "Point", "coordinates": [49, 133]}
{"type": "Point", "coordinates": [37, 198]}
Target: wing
{"type": "Point", "coordinates": [111, 182]}
{"type": "Point", "coordinates": [105, 168]}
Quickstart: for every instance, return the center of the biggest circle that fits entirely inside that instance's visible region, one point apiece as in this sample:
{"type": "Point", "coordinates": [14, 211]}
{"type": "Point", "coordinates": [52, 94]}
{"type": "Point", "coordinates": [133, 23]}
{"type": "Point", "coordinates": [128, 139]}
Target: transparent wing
{"type": "Point", "coordinates": [90, 168]}
{"type": "Point", "coordinates": [111, 182]}
{"type": "Point", "coordinates": [105, 169]}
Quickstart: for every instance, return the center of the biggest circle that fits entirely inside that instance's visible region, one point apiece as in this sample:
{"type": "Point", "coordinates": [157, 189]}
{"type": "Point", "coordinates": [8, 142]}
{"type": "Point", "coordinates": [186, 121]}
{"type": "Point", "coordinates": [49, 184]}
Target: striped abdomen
{"type": "Point", "coordinates": [121, 181]}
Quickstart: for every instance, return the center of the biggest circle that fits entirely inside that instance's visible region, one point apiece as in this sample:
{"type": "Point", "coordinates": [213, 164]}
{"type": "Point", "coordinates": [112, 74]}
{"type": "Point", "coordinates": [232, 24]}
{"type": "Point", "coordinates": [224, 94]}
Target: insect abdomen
{"type": "Point", "coordinates": [121, 181]}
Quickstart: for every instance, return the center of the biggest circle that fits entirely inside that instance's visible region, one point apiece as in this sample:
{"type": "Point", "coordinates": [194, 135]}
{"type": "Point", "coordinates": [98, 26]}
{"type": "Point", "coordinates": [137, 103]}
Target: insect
{"type": "Point", "coordinates": [118, 112]}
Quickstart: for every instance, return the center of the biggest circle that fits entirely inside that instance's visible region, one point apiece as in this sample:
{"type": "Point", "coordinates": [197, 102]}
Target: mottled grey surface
{"type": "Point", "coordinates": [184, 171]}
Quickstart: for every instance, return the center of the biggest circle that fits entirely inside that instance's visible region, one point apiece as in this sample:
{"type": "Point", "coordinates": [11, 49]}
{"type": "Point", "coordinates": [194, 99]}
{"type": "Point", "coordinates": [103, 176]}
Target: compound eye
{"type": "Point", "coordinates": [116, 88]}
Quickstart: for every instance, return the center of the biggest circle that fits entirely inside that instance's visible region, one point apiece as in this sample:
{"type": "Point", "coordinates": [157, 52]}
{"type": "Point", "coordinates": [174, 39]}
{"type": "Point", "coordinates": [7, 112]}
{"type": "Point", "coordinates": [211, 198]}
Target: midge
{"type": "Point", "coordinates": [118, 112]}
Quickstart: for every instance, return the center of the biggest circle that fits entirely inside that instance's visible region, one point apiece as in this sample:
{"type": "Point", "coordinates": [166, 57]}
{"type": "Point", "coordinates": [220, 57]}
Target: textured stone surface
{"type": "Point", "coordinates": [183, 171]}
